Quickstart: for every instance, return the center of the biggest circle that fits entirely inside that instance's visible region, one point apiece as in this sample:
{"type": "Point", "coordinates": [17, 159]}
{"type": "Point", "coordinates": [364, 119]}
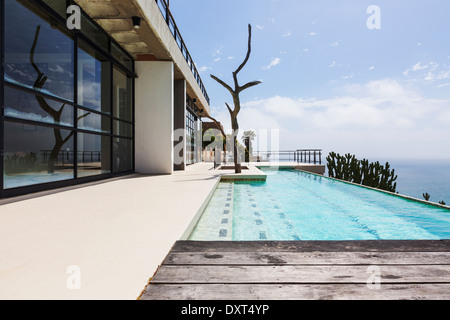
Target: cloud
{"type": "Point", "coordinates": [312, 34]}
{"type": "Point", "coordinates": [383, 117]}
{"type": "Point", "coordinates": [334, 64]}
{"type": "Point", "coordinates": [286, 34]}
{"type": "Point", "coordinates": [204, 68]}
{"type": "Point", "coordinates": [371, 68]}
{"type": "Point", "coordinates": [418, 66]}
{"type": "Point", "coordinates": [273, 63]}
{"type": "Point", "coordinates": [259, 27]}
{"type": "Point", "coordinates": [432, 73]}
{"type": "Point", "coordinates": [335, 43]}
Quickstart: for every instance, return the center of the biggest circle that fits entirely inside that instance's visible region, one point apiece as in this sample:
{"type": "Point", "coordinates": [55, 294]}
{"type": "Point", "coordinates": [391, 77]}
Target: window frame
{"type": "Point", "coordinates": [75, 36]}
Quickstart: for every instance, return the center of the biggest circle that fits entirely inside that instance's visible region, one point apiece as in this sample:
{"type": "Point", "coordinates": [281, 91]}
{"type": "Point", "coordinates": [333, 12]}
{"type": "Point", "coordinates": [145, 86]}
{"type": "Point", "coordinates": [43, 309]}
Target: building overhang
{"type": "Point", "coordinates": [153, 41]}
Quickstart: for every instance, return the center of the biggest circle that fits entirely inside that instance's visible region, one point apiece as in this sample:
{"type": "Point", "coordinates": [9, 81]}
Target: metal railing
{"type": "Point", "coordinates": [67, 157]}
{"type": "Point", "coordinates": [180, 42]}
{"type": "Point", "coordinates": [310, 156]}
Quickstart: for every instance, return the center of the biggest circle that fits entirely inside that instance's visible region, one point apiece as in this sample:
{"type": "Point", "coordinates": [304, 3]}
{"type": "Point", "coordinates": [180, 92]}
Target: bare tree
{"type": "Point", "coordinates": [237, 101]}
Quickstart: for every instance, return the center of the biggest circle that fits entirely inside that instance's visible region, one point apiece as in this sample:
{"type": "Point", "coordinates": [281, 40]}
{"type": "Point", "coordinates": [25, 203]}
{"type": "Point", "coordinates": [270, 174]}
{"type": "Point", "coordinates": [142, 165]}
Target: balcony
{"type": "Point", "coordinates": [180, 42]}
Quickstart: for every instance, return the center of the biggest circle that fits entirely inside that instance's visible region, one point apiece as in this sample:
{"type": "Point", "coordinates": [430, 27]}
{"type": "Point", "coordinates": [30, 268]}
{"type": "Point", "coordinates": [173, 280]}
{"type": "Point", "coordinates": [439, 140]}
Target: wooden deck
{"type": "Point", "coordinates": [363, 270]}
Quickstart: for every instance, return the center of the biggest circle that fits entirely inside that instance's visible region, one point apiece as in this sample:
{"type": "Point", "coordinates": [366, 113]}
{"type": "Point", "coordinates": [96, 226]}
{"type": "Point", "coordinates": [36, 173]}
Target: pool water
{"type": "Point", "coordinates": [294, 205]}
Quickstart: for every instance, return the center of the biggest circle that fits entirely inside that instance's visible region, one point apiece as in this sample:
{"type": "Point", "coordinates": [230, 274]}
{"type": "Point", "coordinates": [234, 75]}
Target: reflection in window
{"type": "Point", "coordinates": [121, 56]}
{"type": "Point", "coordinates": [93, 32]}
{"type": "Point", "coordinates": [122, 154]}
{"type": "Point", "coordinates": [57, 5]}
{"type": "Point", "coordinates": [94, 154]}
{"type": "Point", "coordinates": [122, 129]}
{"type": "Point", "coordinates": [38, 54]}
{"type": "Point", "coordinates": [35, 154]}
{"type": "Point", "coordinates": [32, 107]}
{"type": "Point", "coordinates": [122, 96]}
{"type": "Point", "coordinates": [93, 122]}
{"type": "Point", "coordinates": [94, 79]}
{"type": "Point", "coordinates": [190, 137]}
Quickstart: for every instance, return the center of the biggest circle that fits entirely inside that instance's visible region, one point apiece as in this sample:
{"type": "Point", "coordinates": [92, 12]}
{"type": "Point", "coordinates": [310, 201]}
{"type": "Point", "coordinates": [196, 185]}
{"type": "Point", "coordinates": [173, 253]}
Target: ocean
{"type": "Point", "coordinates": [416, 177]}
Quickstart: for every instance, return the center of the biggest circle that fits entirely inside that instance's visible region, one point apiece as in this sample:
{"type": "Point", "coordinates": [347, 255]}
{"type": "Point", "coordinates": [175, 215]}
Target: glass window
{"type": "Point", "coordinates": [122, 154]}
{"type": "Point", "coordinates": [94, 154]}
{"type": "Point", "coordinates": [94, 33]}
{"type": "Point", "coordinates": [122, 96]}
{"type": "Point", "coordinates": [94, 79]}
{"type": "Point", "coordinates": [122, 129]}
{"type": "Point", "coordinates": [36, 154]}
{"type": "Point", "coordinates": [22, 105]}
{"type": "Point", "coordinates": [93, 122]}
{"type": "Point", "coordinates": [123, 58]}
{"type": "Point", "coordinates": [60, 6]}
{"type": "Point", "coordinates": [38, 52]}
{"type": "Point", "coordinates": [190, 137]}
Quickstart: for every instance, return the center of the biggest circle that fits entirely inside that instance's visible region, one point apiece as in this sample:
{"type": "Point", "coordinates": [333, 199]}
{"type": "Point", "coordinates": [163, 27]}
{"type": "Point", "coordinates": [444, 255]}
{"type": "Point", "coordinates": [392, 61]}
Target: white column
{"type": "Point", "coordinates": [154, 110]}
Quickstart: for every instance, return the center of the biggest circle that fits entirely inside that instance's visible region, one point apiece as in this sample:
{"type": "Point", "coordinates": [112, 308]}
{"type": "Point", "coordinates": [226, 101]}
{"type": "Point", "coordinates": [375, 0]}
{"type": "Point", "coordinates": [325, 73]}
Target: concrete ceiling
{"type": "Point", "coordinates": [114, 16]}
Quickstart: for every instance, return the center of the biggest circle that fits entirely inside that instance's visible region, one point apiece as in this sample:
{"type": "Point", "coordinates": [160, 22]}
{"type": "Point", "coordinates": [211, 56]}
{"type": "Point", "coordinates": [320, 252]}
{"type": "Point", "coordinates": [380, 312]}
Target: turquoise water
{"type": "Point", "coordinates": [294, 205]}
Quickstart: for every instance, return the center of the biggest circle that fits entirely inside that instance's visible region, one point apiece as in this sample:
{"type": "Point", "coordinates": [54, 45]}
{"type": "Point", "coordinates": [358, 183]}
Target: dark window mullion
{"type": "Point", "coordinates": [37, 123]}
{"type": "Point", "coordinates": [133, 113]}
{"type": "Point", "coordinates": [111, 105]}
{"type": "Point", "coordinates": [75, 109]}
{"type": "Point", "coordinates": [37, 92]}
{"type": "Point", "coordinates": [2, 136]}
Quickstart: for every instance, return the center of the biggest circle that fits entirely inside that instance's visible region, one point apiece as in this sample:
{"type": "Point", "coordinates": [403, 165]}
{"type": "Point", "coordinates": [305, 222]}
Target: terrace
{"type": "Point", "coordinates": [86, 227]}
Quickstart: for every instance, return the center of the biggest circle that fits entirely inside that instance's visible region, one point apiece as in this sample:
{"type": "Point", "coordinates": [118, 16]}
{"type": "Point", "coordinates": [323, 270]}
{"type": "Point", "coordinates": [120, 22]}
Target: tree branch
{"type": "Point", "coordinates": [249, 85]}
{"type": "Point", "coordinates": [222, 83]}
{"type": "Point", "coordinates": [218, 126]}
{"type": "Point", "coordinates": [229, 109]}
{"type": "Point", "coordinates": [248, 51]}
{"type": "Point", "coordinates": [33, 48]}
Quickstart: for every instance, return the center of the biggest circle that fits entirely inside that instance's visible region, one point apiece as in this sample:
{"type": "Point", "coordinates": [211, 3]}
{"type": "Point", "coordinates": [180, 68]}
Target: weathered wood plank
{"type": "Point", "coordinates": [297, 292]}
{"type": "Point", "coordinates": [300, 274]}
{"type": "Point", "coordinates": [308, 258]}
{"type": "Point", "coordinates": [308, 246]}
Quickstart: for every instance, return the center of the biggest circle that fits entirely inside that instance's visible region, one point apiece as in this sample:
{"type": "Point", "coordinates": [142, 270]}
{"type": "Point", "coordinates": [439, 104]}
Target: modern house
{"type": "Point", "coordinates": [93, 89]}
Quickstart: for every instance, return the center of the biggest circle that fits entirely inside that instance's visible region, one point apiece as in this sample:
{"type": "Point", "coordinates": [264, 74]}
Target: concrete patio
{"type": "Point", "coordinates": [116, 232]}
{"type": "Point", "coordinates": [113, 233]}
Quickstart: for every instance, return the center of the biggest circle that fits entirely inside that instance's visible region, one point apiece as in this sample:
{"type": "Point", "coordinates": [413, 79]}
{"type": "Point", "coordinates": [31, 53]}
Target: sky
{"type": "Point", "coordinates": [336, 75]}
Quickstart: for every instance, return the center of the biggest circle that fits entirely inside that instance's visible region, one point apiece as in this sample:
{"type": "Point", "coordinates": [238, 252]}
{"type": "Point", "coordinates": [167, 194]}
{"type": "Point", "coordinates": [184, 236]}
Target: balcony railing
{"type": "Point", "coordinates": [301, 156]}
{"type": "Point", "coordinates": [310, 156]}
{"type": "Point", "coordinates": [179, 40]}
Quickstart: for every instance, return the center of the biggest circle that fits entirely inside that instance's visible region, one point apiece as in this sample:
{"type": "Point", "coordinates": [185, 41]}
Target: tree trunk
{"type": "Point", "coordinates": [237, 159]}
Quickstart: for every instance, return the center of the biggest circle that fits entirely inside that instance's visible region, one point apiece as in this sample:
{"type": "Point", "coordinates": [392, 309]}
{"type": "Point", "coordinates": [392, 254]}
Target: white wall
{"type": "Point", "coordinates": [154, 105]}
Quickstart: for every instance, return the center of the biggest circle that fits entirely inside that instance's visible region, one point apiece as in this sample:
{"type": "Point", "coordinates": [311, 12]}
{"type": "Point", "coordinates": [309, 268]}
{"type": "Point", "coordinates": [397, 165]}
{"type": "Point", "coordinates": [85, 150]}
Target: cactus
{"type": "Point", "coordinates": [426, 196]}
{"type": "Point", "coordinates": [442, 202]}
{"type": "Point", "coordinates": [349, 168]}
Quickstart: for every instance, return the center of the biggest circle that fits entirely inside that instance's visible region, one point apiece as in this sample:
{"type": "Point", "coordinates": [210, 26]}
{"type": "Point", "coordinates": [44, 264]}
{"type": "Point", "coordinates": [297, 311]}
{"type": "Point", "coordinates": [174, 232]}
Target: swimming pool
{"type": "Point", "coordinates": [295, 205]}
